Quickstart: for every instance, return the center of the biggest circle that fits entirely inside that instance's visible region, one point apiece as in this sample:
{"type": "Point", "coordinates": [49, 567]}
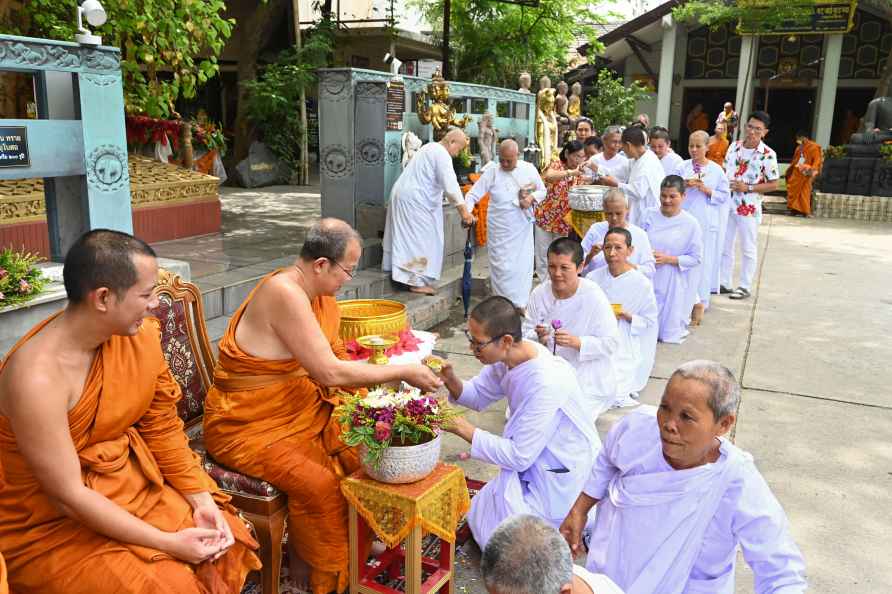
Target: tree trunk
{"type": "Point", "coordinates": [258, 28]}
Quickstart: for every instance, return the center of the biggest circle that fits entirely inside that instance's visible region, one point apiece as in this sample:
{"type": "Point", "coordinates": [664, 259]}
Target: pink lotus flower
{"type": "Point", "coordinates": [24, 287]}
{"type": "Point", "coordinates": [556, 324]}
{"type": "Point", "coordinates": [382, 431]}
{"type": "Point", "coordinates": [3, 273]}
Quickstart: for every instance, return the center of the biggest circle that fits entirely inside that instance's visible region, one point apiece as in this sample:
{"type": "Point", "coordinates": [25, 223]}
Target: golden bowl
{"type": "Point", "coordinates": [378, 345]}
{"type": "Point", "coordinates": [365, 317]}
{"type": "Point", "coordinates": [581, 220]}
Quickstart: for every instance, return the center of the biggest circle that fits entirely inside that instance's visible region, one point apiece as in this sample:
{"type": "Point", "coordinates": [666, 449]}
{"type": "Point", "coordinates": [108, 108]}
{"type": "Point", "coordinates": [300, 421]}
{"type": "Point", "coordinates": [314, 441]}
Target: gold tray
{"type": "Point", "coordinates": [362, 317]}
{"type": "Point", "coordinates": [581, 220]}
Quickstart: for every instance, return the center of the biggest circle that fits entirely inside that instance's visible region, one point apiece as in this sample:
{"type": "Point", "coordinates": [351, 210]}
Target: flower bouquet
{"type": "Point", "coordinates": [397, 431]}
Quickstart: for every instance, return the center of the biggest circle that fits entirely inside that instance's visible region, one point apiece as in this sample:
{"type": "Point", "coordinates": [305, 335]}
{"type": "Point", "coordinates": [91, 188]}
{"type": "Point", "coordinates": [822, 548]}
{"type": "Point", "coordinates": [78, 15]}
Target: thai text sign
{"type": "Point", "coordinates": [14, 146]}
{"type": "Point", "coordinates": [395, 105]}
{"type": "Point", "coordinates": [770, 17]}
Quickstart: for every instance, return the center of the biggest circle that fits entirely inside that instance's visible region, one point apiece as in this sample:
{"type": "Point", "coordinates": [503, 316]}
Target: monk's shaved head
{"type": "Point", "coordinates": [508, 147]}
{"type": "Point", "coordinates": [455, 134]}
{"type": "Point", "coordinates": [329, 238]}
{"type": "Point", "coordinates": [102, 258]}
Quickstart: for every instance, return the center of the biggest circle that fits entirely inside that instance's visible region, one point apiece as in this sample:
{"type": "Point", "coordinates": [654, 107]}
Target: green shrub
{"type": "Point", "coordinates": [20, 278]}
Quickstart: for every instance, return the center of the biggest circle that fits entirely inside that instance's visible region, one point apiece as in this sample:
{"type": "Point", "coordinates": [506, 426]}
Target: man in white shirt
{"type": "Point", "coordinates": [751, 167]}
{"type": "Point", "coordinates": [661, 145]}
{"type": "Point", "coordinates": [645, 175]}
{"type": "Point", "coordinates": [572, 317]}
{"type": "Point", "coordinates": [527, 556]}
{"type": "Point", "coordinates": [513, 189]}
{"type": "Point", "coordinates": [546, 450]}
{"type": "Point", "coordinates": [413, 232]}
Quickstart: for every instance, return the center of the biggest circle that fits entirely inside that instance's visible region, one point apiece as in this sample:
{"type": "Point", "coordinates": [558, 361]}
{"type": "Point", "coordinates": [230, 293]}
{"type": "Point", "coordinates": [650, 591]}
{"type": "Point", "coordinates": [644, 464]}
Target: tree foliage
{"type": "Point", "coordinates": [274, 96]}
{"type": "Point", "coordinates": [493, 42]}
{"type": "Point", "coordinates": [168, 47]}
{"type": "Point", "coordinates": [613, 102]}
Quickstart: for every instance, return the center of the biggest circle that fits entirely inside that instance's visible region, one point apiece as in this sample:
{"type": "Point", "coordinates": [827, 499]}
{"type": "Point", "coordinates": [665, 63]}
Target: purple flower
{"type": "Point", "coordinates": [386, 415]}
{"type": "Point", "coordinates": [556, 324]}
{"type": "Point", "coordinates": [3, 273]}
{"type": "Point", "coordinates": [24, 287]}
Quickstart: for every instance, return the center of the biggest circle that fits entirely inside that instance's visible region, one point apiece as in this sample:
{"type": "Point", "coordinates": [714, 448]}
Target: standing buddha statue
{"type": "Point", "coordinates": [574, 106]}
{"type": "Point", "coordinates": [546, 128]}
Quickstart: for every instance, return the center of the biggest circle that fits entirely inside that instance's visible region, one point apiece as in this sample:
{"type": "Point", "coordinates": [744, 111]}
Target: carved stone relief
{"type": "Point", "coordinates": [336, 161]}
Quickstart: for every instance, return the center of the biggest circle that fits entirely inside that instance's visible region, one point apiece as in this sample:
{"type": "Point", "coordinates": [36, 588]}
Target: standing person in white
{"type": "Point", "coordinates": [546, 450]}
{"type": "Point", "coordinates": [661, 145]}
{"type": "Point", "coordinates": [572, 317]}
{"type": "Point", "coordinates": [645, 175]}
{"type": "Point", "coordinates": [751, 167]}
{"type": "Point", "coordinates": [610, 161]}
{"type": "Point", "coordinates": [678, 248]}
{"type": "Point", "coordinates": [616, 210]}
{"type": "Point", "coordinates": [675, 499]}
{"type": "Point", "coordinates": [514, 187]}
{"type": "Point", "coordinates": [705, 195]}
{"type": "Point", "coordinates": [413, 233]}
{"type": "Point", "coordinates": [632, 296]}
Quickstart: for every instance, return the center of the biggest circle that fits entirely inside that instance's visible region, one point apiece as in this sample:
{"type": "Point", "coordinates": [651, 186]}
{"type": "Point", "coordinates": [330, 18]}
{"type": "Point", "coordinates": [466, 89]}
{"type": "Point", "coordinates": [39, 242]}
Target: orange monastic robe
{"type": "Point", "coordinates": [798, 183]}
{"type": "Point", "coordinates": [270, 420]}
{"type": "Point", "coordinates": [716, 149]}
{"type": "Point", "coordinates": [132, 449]}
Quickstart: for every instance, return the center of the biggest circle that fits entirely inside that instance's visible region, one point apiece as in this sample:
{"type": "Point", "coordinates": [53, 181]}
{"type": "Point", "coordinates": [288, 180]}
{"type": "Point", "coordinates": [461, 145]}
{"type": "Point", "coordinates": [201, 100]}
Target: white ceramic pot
{"type": "Point", "coordinates": [404, 464]}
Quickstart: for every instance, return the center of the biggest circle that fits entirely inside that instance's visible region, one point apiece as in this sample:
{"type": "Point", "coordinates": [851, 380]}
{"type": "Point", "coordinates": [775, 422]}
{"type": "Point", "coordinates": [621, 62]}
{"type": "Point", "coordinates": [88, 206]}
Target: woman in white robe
{"type": "Point", "coordinates": [675, 499]}
{"type": "Point", "coordinates": [413, 233]}
{"type": "Point", "coordinates": [546, 449]}
{"type": "Point", "coordinates": [705, 195]}
{"type": "Point", "coordinates": [632, 296]}
{"type": "Point", "coordinates": [678, 249]}
{"type": "Point", "coordinates": [616, 210]}
{"type": "Point", "coordinates": [513, 187]}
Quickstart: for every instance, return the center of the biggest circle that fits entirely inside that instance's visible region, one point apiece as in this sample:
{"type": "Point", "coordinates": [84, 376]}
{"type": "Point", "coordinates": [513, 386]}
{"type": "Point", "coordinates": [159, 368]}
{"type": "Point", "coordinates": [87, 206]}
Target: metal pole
{"type": "Point", "coordinates": [447, 9]}
{"type": "Point", "coordinates": [303, 167]}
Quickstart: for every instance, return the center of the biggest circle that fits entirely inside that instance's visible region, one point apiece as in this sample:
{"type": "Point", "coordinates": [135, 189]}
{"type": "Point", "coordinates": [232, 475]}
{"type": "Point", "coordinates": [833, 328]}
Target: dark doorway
{"type": "Point", "coordinates": [851, 104]}
{"type": "Point", "coordinates": [790, 110]}
{"type": "Point", "coordinates": [712, 100]}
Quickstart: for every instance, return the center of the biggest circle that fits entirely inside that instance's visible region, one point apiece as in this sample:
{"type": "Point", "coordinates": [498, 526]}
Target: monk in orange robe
{"type": "Point", "coordinates": [4, 584]}
{"type": "Point", "coordinates": [806, 165]}
{"type": "Point", "coordinates": [103, 493]}
{"type": "Point", "coordinates": [269, 413]}
{"type": "Point", "coordinates": [717, 146]}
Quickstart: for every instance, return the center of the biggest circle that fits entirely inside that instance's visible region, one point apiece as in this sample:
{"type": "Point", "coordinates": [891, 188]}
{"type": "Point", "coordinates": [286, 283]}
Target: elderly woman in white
{"type": "Point", "coordinates": [675, 499]}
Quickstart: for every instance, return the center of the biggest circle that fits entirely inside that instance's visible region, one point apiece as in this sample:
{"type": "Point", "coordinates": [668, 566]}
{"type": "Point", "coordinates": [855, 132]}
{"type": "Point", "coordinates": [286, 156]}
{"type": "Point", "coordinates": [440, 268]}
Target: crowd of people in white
{"type": "Point", "coordinates": [664, 503]}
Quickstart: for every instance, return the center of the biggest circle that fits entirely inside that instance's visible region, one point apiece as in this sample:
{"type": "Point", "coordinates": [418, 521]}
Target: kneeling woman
{"type": "Point", "coordinates": [677, 243]}
{"type": "Point", "coordinates": [675, 498]}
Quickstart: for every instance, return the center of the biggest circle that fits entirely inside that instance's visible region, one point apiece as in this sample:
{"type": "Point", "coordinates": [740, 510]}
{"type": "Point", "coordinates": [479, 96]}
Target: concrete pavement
{"type": "Point", "coordinates": [812, 352]}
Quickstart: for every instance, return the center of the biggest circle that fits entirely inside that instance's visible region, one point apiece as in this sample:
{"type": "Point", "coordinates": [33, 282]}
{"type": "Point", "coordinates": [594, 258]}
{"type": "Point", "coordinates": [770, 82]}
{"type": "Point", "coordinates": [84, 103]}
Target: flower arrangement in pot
{"type": "Point", "coordinates": [397, 431]}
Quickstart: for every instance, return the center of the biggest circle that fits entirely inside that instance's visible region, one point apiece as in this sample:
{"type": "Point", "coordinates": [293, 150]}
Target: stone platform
{"type": "Point", "coordinates": [849, 206]}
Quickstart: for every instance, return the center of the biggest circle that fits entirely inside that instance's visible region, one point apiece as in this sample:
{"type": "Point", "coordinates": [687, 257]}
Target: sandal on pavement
{"type": "Point", "coordinates": [723, 290]}
{"type": "Point", "coordinates": [739, 293]}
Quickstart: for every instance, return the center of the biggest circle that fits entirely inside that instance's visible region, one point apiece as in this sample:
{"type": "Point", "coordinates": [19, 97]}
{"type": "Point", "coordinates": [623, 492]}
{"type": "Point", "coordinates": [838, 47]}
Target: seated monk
{"type": "Point", "coordinates": [675, 498]}
{"type": "Point", "coordinates": [269, 413]}
{"type": "Point", "coordinates": [103, 493]}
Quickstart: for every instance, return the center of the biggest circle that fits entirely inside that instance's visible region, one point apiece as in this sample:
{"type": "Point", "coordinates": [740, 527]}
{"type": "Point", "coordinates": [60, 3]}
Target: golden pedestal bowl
{"type": "Point", "coordinates": [378, 345]}
{"type": "Point", "coordinates": [365, 317]}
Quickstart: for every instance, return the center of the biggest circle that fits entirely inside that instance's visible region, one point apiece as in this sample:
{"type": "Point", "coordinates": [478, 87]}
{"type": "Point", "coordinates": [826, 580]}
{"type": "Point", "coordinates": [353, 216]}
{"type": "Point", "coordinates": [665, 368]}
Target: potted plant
{"type": "Point", "coordinates": [397, 431]}
{"type": "Point", "coordinates": [835, 171]}
{"type": "Point", "coordinates": [20, 278]}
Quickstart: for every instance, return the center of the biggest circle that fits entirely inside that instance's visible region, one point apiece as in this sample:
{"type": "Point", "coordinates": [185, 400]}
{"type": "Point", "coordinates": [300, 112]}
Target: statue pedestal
{"type": "Point", "coordinates": [860, 176]}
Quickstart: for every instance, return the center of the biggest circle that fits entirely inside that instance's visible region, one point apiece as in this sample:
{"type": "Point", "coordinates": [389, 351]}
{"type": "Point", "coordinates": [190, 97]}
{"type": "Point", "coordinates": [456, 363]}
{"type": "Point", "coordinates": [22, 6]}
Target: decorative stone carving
{"type": "Point", "coordinates": [336, 85]}
{"type": "Point", "coordinates": [370, 151]}
{"type": "Point", "coordinates": [107, 168]}
{"type": "Point", "coordinates": [61, 57]}
{"type": "Point", "coordinates": [392, 152]}
{"type": "Point", "coordinates": [487, 138]}
{"type": "Point", "coordinates": [370, 92]}
{"type": "Point", "coordinates": [101, 80]}
{"type": "Point", "coordinates": [336, 161]}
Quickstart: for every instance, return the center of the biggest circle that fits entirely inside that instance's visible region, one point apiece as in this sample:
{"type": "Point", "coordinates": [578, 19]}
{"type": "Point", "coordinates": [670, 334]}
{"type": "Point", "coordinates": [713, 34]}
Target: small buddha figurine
{"type": "Point", "coordinates": [544, 82]}
{"type": "Point", "coordinates": [546, 128]}
{"type": "Point", "coordinates": [574, 106]}
{"type": "Point", "coordinates": [525, 80]}
{"type": "Point", "coordinates": [560, 110]}
{"type": "Point", "coordinates": [487, 138]}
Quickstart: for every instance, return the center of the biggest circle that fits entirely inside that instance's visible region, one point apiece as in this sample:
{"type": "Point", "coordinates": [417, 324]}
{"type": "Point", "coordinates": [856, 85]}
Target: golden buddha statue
{"type": "Point", "coordinates": [546, 128]}
{"type": "Point", "coordinates": [439, 114]}
{"type": "Point", "coordinates": [574, 105]}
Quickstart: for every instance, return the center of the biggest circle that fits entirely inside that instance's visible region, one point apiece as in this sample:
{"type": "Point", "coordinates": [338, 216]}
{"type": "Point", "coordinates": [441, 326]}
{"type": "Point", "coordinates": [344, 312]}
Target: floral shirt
{"type": "Point", "coordinates": [752, 166]}
{"type": "Point", "coordinates": [550, 212]}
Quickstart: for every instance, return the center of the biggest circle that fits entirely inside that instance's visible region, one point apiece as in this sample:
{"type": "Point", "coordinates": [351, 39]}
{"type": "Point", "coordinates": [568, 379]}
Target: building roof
{"type": "Point", "coordinates": [618, 31]}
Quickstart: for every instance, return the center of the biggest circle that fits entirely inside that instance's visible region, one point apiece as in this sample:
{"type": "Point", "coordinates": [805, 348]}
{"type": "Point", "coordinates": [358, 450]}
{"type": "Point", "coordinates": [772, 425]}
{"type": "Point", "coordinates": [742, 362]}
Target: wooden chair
{"type": "Point", "coordinates": [184, 340]}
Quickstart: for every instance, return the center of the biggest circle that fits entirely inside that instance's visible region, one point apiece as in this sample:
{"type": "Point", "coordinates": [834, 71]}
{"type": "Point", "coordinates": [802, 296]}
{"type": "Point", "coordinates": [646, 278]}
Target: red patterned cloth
{"type": "Point", "coordinates": [551, 213]}
{"type": "Point", "coordinates": [408, 343]}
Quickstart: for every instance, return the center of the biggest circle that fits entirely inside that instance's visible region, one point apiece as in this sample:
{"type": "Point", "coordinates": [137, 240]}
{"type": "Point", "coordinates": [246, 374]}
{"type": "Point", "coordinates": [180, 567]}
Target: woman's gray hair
{"type": "Point", "coordinates": [612, 130]}
{"type": "Point", "coordinates": [724, 391]}
{"type": "Point", "coordinates": [616, 194]}
{"type": "Point", "coordinates": [526, 555]}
